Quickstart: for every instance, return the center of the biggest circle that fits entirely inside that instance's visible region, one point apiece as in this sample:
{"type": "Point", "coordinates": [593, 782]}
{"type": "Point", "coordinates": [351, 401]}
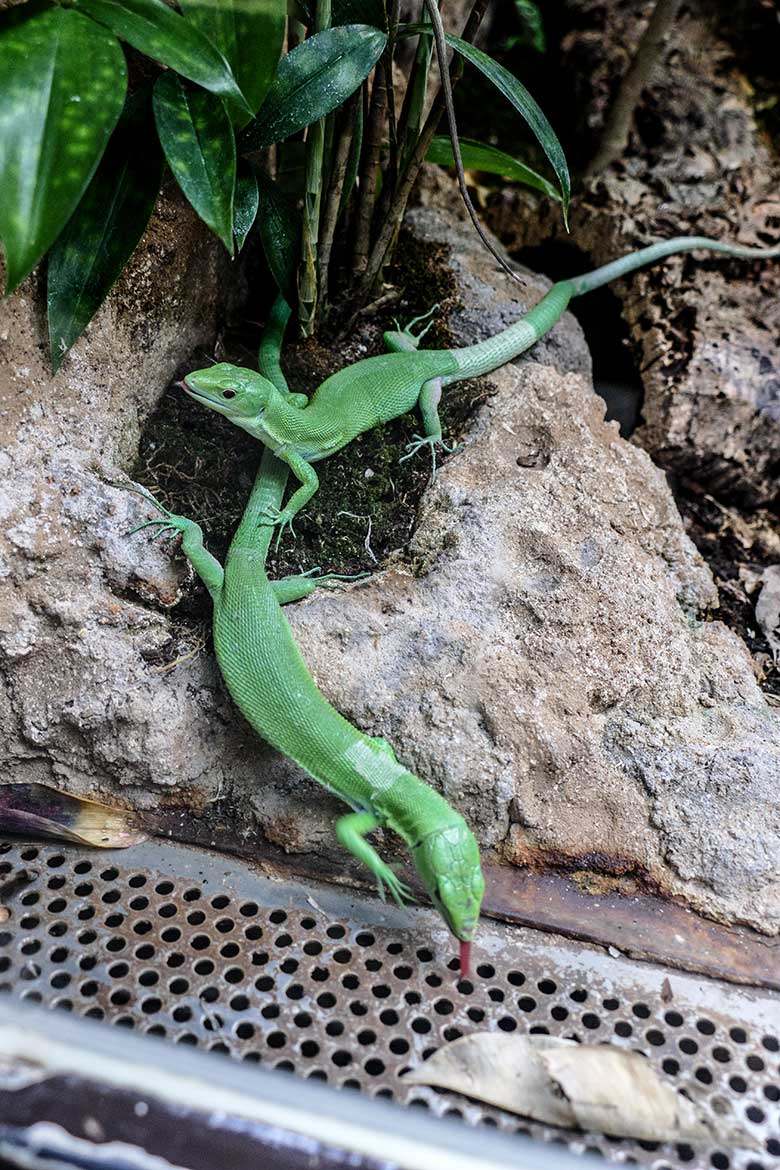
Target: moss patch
{"type": "Point", "coordinates": [202, 466]}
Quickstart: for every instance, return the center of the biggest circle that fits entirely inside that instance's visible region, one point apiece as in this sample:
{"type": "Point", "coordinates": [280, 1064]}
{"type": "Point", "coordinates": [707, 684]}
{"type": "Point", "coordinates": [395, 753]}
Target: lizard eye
{"type": "Point", "coordinates": [228, 393]}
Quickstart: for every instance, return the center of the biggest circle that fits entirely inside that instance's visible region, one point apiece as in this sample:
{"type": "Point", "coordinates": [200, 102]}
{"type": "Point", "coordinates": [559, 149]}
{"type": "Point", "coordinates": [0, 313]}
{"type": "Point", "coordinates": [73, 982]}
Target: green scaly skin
{"type": "Point", "coordinates": [358, 398]}
{"type": "Point", "coordinates": [270, 683]}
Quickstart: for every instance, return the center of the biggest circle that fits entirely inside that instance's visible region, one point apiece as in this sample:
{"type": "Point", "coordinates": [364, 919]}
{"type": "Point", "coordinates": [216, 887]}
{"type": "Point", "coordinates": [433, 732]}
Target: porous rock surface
{"type": "Point", "coordinates": [704, 330]}
{"type": "Point", "coordinates": [538, 654]}
{"type": "Point", "coordinates": [80, 606]}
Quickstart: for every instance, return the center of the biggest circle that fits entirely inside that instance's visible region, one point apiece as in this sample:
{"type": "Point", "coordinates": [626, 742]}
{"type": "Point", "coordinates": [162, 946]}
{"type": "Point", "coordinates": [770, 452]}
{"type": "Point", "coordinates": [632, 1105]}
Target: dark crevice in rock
{"type": "Point", "coordinates": [753, 32]}
{"type": "Point", "coordinates": [616, 377]}
{"type": "Point", "coordinates": [737, 547]}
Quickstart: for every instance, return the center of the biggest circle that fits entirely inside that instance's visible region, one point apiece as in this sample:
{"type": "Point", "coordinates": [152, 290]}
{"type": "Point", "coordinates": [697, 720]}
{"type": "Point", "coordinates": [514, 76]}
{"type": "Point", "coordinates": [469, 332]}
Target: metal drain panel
{"type": "Point", "coordinates": [202, 951]}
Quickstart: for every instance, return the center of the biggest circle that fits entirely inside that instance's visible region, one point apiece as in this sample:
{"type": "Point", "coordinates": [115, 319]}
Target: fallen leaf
{"type": "Point", "coordinates": [598, 1088]}
{"type": "Point", "coordinates": [500, 1069]}
{"type": "Point", "coordinates": [38, 810]}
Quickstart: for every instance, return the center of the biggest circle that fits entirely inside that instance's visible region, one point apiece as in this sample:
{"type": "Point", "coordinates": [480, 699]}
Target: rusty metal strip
{"type": "Point", "coordinates": [612, 912]}
{"type": "Point", "coordinates": [641, 925]}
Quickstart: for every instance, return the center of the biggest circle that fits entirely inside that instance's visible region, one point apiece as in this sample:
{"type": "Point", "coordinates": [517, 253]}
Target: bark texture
{"type": "Point", "coordinates": [706, 334]}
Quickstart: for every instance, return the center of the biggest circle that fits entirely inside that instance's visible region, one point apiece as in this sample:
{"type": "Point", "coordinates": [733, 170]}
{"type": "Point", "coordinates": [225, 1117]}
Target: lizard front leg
{"type": "Point", "coordinates": [430, 397]}
{"type": "Point", "coordinates": [205, 565]}
{"type": "Point", "coordinates": [403, 340]}
{"type": "Point", "coordinates": [351, 831]}
{"type": "Point", "coordinates": [305, 473]}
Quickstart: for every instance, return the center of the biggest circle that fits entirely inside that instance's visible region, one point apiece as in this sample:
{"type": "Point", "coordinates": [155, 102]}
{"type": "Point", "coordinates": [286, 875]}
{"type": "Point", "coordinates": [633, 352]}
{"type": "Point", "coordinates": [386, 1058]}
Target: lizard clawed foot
{"type": "Point", "coordinates": [415, 320]}
{"type": "Point", "coordinates": [399, 891]}
{"type": "Point", "coordinates": [166, 522]}
{"type": "Point", "coordinates": [272, 516]}
{"type": "Point", "coordinates": [403, 339]}
{"type": "Point", "coordinates": [432, 442]}
{"type": "Point", "coordinates": [327, 578]}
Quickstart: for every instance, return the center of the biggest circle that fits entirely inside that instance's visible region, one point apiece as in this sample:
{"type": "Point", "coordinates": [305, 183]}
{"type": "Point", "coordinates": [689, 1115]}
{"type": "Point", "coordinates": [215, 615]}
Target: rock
{"type": "Point", "coordinates": [546, 666]}
{"type": "Point", "coordinates": [704, 330]}
{"type": "Point", "coordinates": [79, 604]}
{"type": "Point", "coordinates": [542, 656]}
{"type": "Point", "coordinates": [538, 653]}
{"type": "Point", "coordinates": [544, 661]}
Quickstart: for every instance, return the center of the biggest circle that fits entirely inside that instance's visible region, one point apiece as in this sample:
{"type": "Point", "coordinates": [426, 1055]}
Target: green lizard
{"type": "Point", "coordinates": [377, 389]}
{"type": "Point", "coordinates": [270, 683]}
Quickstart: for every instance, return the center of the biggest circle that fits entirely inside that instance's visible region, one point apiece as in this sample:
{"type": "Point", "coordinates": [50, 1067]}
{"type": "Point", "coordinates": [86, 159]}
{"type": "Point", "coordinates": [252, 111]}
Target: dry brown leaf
{"type": "Point", "coordinates": [598, 1088]}
{"type": "Point", "coordinates": [502, 1070]}
{"type": "Point", "coordinates": [38, 810]}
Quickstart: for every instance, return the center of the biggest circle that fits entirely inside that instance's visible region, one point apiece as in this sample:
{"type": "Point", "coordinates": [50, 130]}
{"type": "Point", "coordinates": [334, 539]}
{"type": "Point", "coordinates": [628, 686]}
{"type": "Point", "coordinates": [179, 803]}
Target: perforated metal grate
{"type": "Point", "coordinates": [202, 951]}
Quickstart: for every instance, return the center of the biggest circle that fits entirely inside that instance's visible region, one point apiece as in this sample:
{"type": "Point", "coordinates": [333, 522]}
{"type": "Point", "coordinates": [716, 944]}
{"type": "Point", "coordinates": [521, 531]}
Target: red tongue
{"type": "Point", "coordinates": [465, 959]}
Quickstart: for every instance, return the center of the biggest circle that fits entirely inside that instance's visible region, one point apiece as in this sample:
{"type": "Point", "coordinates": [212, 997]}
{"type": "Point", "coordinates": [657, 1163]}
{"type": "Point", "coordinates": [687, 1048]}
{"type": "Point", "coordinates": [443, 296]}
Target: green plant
{"type": "Point", "coordinates": [531, 27]}
{"type": "Point", "coordinates": [310, 144]}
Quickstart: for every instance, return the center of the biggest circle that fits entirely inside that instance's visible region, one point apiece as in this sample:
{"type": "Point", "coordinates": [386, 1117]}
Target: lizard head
{"type": "Point", "coordinates": [240, 394]}
{"type": "Point", "coordinates": [448, 862]}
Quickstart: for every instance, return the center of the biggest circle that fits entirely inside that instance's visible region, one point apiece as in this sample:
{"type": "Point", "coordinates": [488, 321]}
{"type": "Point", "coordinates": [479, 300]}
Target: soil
{"type": "Point", "coordinates": [737, 548]}
{"type": "Point", "coordinates": [364, 513]}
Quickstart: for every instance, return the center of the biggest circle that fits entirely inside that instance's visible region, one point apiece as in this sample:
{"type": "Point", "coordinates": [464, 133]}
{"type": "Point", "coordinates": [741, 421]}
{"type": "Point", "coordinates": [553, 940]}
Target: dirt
{"type": "Point", "coordinates": [201, 465]}
{"type": "Point", "coordinates": [737, 548]}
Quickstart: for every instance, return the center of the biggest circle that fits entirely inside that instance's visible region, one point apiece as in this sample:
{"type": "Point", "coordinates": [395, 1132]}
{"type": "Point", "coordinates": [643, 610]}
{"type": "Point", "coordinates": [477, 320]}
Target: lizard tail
{"type": "Point", "coordinates": [655, 252]}
{"type": "Point", "coordinates": [474, 360]}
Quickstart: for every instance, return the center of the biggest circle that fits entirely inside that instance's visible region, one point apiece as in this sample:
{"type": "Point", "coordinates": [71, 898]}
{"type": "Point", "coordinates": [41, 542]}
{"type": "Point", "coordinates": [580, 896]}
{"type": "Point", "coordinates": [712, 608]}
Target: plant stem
{"type": "Point", "coordinates": [614, 138]}
{"type": "Point", "coordinates": [335, 189]}
{"type": "Point", "coordinates": [390, 222]}
{"type": "Point", "coordinates": [315, 141]}
{"type": "Point", "coordinates": [393, 18]}
{"type": "Point", "coordinates": [414, 100]}
{"type": "Point", "coordinates": [367, 183]}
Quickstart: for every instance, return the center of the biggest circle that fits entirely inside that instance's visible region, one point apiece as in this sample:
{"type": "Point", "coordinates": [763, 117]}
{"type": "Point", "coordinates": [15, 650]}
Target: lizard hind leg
{"type": "Point", "coordinates": [295, 588]}
{"type": "Point", "coordinates": [430, 396]}
{"type": "Point", "coordinates": [403, 340]}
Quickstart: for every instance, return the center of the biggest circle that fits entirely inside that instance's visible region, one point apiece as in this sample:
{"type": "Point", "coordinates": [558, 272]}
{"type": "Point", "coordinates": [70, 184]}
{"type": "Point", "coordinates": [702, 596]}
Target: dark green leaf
{"type": "Point", "coordinates": [157, 30]}
{"type": "Point", "coordinates": [525, 105]}
{"type": "Point", "coordinates": [245, 203]}
{"type": "Point", "coordinates": [280, 231]}
{"type": "Point", "coordinates": [249, 34]}
{"type": "Point", "coordinates": [480, 157]}
{"type": "Point", "coordinates": [56, 117]}
{"type": "Point", "coordinates": [291, 167]}
{"type": "Point", "coordinates": [315, 78]}
{"type": "Point", "coordinates": [107, 224]}
{"type": "Point", "coordinates": [197, 137]}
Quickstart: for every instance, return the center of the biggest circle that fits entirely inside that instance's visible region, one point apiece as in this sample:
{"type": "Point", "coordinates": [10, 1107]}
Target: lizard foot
{"type": "Point", "coordinates": [167, 521]}
{"type": "Point", "coordinates": [283, 518]}
{"type": "Point", "coordinates": [332, 579]}
{"type": "Point", "coordinates": [432, 442]}
{"type": "Point", "coordinates": [399, 891]}
{"type": "Point", "coordinates": [415, 320]}
{"type": "Point", "coordinates": [402, 339]}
